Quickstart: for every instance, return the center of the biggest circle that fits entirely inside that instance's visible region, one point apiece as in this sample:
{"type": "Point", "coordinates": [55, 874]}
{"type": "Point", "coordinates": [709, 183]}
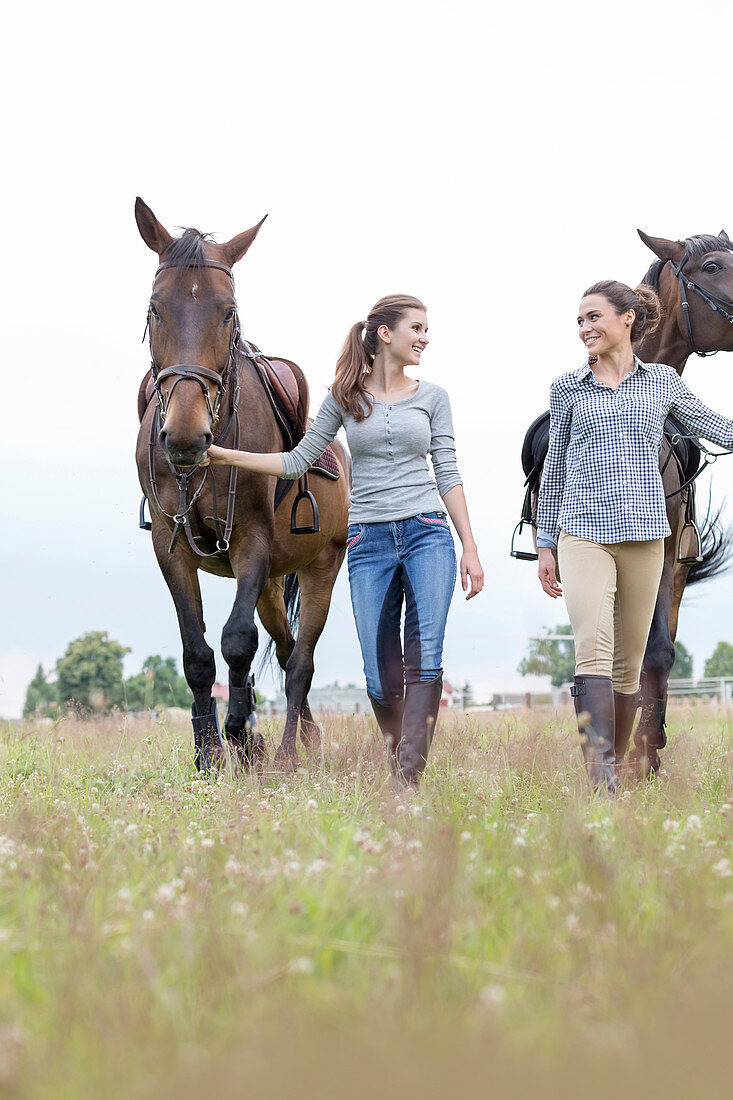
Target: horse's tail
{"type": "Point", "coordinates": [291, 598]}
{"type": "Point", "coordinates": [717, 547]}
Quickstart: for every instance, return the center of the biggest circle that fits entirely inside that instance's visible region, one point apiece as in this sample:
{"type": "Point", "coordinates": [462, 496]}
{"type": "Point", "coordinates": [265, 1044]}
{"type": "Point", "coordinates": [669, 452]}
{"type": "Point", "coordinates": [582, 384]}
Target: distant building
{"type": "Point", "coordinates": [332, 699]}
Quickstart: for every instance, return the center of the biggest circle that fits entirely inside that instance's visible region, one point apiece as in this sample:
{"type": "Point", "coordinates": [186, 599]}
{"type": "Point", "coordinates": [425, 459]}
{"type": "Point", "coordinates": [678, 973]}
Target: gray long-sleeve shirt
{"type": "Point", "coordinates": [389, 452]}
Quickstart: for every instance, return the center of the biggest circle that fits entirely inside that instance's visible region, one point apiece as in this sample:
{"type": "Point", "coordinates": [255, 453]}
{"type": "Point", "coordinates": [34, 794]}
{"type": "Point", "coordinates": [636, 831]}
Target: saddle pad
{"type": "Point", "coordinates": [326, 465]}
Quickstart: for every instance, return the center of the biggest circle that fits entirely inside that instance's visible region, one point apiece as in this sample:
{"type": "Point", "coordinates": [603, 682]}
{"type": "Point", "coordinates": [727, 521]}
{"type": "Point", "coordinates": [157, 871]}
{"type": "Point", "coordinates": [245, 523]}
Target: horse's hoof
{"type": "Point", "coordinates": [286, 758]}
{"type": "Point", "coordinates": [644, 762]}
{"type": "Point", "coordinates": [310, 735]}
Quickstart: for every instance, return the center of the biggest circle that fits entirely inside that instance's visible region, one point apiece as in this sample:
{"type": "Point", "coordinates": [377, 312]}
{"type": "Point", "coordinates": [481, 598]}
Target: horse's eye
{"type": "Point", "coordinates": [154, 313]}
{"type": "Point", "coordinates": [228, 315]}
{"type": "Point", "coordinates": [710, 267]}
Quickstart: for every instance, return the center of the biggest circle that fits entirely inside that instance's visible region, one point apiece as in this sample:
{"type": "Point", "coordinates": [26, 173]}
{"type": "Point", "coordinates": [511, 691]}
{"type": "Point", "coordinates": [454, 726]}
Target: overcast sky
{"type": "Point", "coordinates": [493, 160]}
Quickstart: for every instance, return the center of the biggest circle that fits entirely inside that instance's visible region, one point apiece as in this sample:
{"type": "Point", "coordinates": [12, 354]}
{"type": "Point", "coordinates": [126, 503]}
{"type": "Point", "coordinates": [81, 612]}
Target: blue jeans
{"type": "Point", "coordinates": [411, 561]}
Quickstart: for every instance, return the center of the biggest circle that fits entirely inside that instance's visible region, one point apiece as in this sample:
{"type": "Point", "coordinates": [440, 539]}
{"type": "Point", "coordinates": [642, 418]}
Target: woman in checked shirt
{"type": "Point", "coordinates": [400, 547]}
{"type": "Point", "coordinates": [602, 510]}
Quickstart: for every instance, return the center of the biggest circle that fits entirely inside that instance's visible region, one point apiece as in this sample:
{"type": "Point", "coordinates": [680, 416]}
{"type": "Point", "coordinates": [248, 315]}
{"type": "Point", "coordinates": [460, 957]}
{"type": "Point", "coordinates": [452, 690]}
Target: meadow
{"type": "Point", "coordinates": [503, 932]}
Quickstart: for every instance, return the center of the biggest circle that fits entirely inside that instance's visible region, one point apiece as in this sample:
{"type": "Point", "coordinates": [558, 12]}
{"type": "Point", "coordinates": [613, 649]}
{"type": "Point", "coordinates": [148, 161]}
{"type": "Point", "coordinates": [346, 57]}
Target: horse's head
{"type": "Point", "coordinates": [193, 331]}
{"type": "Point", "coordinates": [702, 266]}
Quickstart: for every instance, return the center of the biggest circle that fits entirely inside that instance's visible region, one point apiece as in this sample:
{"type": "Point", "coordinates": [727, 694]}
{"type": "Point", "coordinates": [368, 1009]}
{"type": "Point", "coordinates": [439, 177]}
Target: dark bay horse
{"type": "Point", "coordinates": [694, 280]}
{"type": "Point", "coordinates": [209, 380]}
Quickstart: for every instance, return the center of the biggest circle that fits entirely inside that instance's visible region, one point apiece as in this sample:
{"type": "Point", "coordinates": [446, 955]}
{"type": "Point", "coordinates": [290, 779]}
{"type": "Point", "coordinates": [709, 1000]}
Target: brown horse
{"type": "Point", "coordinates": [694, 280]}
{"type": "Point", "coordinates": [204, 374]}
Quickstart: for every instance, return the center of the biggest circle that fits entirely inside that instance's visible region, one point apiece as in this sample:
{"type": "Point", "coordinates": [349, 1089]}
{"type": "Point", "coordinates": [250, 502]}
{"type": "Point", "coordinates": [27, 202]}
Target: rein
{"type": "Point", "coordinates": [718, 305]}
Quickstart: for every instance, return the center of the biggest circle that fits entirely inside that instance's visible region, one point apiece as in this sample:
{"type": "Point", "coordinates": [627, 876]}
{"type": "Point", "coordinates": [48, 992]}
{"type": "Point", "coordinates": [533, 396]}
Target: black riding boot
{"type": "Point", "coordinates": [422, 703]}
{"type": "Point", "coordinates": [206, 737]}
{"type": "Point", "coordinates": [389, 720]}
{"type": "Point", "coordinates": [593, 697]}
{"type": "Point", "coordinates": [625, 708]}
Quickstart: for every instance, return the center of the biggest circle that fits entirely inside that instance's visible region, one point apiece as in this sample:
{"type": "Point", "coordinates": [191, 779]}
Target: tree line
{"type": "Point", "coordinates": [90, 676]}
{"type": "Point", "coordinates": [554, 656]}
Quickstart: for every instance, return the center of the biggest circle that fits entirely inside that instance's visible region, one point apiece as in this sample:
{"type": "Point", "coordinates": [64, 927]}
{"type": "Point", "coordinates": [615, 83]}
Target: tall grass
{"type": "Point", "coordinates": [166, 934]}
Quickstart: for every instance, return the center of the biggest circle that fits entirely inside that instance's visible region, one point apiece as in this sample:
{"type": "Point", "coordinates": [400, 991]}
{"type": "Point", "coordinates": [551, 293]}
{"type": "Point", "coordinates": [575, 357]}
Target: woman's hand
{"type": "Point", "coordinates": [217, 456]}
{"type": "Point", "coordinates": [547, 572]}
{"type": "Point", "coordinates": [471, 567]}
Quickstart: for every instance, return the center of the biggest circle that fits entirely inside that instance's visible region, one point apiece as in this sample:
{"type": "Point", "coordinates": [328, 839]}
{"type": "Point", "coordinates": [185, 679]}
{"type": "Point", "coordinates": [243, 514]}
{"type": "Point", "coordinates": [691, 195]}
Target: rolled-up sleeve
{"type": "Point", "coordinates": [698, 417]}
{"type": "Point", "coordinates": [443, 445]}
{"type": "Point", "coordinates": [552, 485]}
{"type": "Point", "coordinates": [321, 432]}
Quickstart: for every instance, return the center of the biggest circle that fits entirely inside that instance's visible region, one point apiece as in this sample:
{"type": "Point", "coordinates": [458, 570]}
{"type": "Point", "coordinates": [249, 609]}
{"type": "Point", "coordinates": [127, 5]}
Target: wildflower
{"type": "Point", "coordinates": [207, 842]}
{"type": "Point", "coordinates": [148, 915]}
{"type": "Point", "coordinates": [240, 908]}
{"type": "Point", "coordinates": [311, 804]}
{"type": "Point", "coordinates": [670, 825]}
{"type": "Point", "coordinates": [492, 996]}
{"type": "Point", "coordinates": [723, 868]}
{"type": "Point", "coordinates": [693, 823]}
{"type": "Point", "coordinates": [301, 965]}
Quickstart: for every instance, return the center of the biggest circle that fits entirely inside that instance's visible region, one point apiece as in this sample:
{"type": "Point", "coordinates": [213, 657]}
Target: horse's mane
{"type": "Point", "coordinates": [188, 249]}
{"type": "Point", "coordinates": [695, 247]}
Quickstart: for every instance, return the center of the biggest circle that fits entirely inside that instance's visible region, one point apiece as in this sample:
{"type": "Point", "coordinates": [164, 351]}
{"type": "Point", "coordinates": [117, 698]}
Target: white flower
{"type": "Point", "coordinates": [670, 825]}
{"type": "Point", "coordinates": [492, 996]}
{"type": "Point", "coordinates": [723, 868]}
{"type": "Point", "coordinates": [693, 823]}
{"type": "Point", "coordinates": [240, 908]}
{"type": "Point", "coordinates": [301, 965]}
{"type": "Point", "coordinates": [311, 804]}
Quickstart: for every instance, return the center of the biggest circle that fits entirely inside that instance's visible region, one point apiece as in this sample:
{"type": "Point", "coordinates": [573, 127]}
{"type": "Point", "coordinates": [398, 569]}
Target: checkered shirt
{"type": "Point", "coordinates": [601, 478]}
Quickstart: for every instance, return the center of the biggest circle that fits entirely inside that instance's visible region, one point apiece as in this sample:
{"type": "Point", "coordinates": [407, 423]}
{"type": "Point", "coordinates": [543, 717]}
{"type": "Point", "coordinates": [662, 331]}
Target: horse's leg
{"type": "Point", "coordinates": [273, 615]}
{"type": "Point", "coordinates": [199, 666]}
{"type": "Point", "coordinates": [316, 585]}
{"type": "Point", "coordinates": [251, 565]}
{"type": "Point", "coordinates": [650, 736]}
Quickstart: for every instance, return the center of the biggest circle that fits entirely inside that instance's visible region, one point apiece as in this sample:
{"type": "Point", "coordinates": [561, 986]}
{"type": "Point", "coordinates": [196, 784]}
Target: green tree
{"type": "Point", "coordinates": [90, 672]}
{"type": "Point", "coordinates": [40, 696]}
{"type": "Point", "coordinates": [721, 661]}
{"type": "Point", "coordinates": [682, 668]}
{"type": "Point", "coordinates": [158, 685]}
{"type": "Point", "coordinates": [551, 656]}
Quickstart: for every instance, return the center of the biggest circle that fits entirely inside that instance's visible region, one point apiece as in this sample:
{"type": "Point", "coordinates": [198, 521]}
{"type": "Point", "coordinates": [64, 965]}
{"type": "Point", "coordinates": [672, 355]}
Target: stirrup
{"type": "Point", "coordinates": [145, 524]}
{"type": "Point", "coordinates": [304, 494]}
{"type": "Point", "coordinates": [521, 555]}
{"type": "Point", "coordinates": [690, 525]}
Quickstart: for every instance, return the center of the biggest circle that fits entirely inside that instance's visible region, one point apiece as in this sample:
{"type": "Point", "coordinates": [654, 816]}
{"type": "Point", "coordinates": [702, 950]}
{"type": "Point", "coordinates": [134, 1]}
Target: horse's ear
{"type": "Point", "coordinates": [237, 246]}
{"type": "Point", "coordinates": [155, 235]}
{"type": "Point", "coordinates": [661, 247]}
{"type": "Point", "coordinates": [724, 236]}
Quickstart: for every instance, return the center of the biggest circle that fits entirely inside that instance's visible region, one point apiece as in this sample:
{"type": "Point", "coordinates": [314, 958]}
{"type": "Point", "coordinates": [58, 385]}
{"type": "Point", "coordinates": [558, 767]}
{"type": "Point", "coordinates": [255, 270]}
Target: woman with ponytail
{"type": "Point", "coordinates": [602, 510]}
{"type": "Point", "coordinates": [400, 547]}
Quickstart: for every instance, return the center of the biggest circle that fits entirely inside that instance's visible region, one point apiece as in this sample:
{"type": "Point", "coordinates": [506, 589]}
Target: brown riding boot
{"type": "Point", "coordinates": [593, 698]}
{"type": "Point", "coordinates": [422, 703]}
{"type": "Point", "coordinates": [389, 720]}
{"type": "Point", "coordinates": [625, 708]}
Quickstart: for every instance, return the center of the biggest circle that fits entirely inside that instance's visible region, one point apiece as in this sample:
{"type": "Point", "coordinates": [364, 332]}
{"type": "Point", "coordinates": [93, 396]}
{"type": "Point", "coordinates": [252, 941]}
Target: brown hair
{"type": "Point", "coordinates": [643, 300]}
{"type": "Point", "coordinates": [359, 350]}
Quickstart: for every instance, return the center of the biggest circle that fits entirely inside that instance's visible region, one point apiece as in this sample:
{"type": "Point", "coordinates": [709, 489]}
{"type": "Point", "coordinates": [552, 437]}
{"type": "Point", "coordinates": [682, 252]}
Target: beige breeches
{"type": "Point", "coordinates": [610, 591]}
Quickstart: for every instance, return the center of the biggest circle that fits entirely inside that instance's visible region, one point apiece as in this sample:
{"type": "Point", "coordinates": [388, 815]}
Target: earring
{"type": "Point", "coordinates": [366, 369]}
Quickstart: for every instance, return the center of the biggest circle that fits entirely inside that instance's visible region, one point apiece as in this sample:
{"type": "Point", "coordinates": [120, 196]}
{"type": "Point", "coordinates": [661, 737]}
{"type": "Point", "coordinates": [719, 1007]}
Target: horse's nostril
{"type": "Point", "coordinates": [208, 439]}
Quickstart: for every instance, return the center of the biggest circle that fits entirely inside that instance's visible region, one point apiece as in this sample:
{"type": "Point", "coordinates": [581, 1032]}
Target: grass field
{"type": "Point", "coordinates": [502, 933]}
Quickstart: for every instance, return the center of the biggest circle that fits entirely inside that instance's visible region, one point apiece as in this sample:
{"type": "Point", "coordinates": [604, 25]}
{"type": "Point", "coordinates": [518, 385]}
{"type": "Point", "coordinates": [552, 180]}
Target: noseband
{"type": "Point", "coordinates": [184, 371]}
{"type": "Point", "coordinates": [718, 305]}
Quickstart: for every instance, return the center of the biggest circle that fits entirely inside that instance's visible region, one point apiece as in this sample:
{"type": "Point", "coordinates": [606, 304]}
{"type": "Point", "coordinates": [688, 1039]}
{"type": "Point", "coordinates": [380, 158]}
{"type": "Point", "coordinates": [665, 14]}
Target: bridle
{"type": "Point", "coordinates": [181, 371]}
{"type": "Point", "coordinates": [718, 305]}
{"type": "Point", "coordinates": [203, 376]}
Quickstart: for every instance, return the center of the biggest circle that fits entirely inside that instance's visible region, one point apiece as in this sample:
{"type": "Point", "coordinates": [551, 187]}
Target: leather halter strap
{"type": "Point", "coordinates": [718, 305]}
{"type": "Point", "coordinates": [195, 263]}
